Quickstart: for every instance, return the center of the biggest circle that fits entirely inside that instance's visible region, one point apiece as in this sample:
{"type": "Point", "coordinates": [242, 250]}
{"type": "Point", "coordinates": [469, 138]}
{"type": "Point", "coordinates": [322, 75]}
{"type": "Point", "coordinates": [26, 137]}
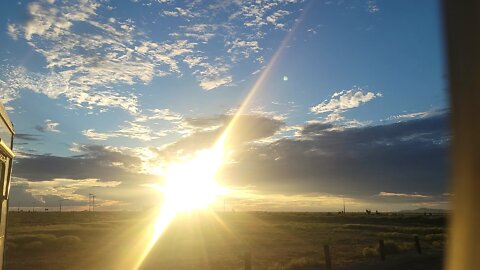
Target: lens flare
{"type": "Point", "coordinates": [191, 185]}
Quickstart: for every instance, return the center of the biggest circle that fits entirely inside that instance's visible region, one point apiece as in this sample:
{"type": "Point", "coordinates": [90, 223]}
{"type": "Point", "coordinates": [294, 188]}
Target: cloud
{"type": "Point", "coordinates": [404, 157]}
{"type": "Point", "coordinates": [209, 75]}
{"type": "Point", "coordinates": [27, 137]}
{"type": "Point", "coordinates": [273, 19]}
{"type": "Point", "coordinates": [409, 159]}
{"type": "Point", "coordinates": [95, 162]}
{"type": "Point", "coordinates": [201, 31]}
{"type": "Point", "coordinates": [160, 114]}
{"type": "Point", "coordinates": [181, 12]}
{"type": "Point", "coordinates": [48, 126]}
{"type": "Point", "coordinates": [202, 133]}
{"type": "Point", "coordinates": [373, 7]}
{"type": "Point", "coordinates": [141, 128]}
{"type": "Point", "coordinates": [402, 195]}
{"type": "Point", "coordinates": [90, 57]}
{"type": "Point", "coordinates": [54, 86]}
{"type": "Point", "coordinates": [58, 188]}
{"type": "Point", "coordinates": [341, 102]}
{"type": "Point", "coordinates": [214, 82]}
{"type": "Point", "coordinates": [131, 130]}
{"type": "Point", "coordinates": [89, 64]}
{"type": "Point", "coordinates": [242, 48]}
{"type": "Point", "coordinates": [344, 100]}
{"type": "Point", "coordinates": [12, 31]}
{"type": "Point", "coordinates": [414, 115]}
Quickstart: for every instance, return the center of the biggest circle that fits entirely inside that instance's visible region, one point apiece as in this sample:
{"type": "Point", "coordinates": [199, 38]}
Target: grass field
{"type": "Point", "coordinates": [100, 240]}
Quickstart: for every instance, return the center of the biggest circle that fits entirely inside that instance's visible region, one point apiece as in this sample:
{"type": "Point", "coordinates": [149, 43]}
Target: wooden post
{"type": "Point", "coordinates": [328, 259]}
{"type": "Point", "coordinates": [417, 245]}
{"type": "Point", "coordinates": [247, 258]}
{"type": "Point", "coordinates": [381, 250]}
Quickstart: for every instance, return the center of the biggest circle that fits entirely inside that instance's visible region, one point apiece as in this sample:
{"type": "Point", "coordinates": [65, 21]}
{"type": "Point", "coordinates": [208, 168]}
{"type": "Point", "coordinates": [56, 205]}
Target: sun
{"type": "Point", "coordinates": [191, 185]}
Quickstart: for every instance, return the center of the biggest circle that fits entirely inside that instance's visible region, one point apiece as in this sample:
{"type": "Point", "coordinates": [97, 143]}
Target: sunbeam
{"type": "Point", "coordinates": [191, 185]}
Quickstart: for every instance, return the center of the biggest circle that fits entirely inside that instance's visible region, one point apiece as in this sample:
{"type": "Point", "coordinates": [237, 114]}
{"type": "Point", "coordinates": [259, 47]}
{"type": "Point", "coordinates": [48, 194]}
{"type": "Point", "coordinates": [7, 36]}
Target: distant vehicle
{"type": "Point", "coordinates": [6, 162]}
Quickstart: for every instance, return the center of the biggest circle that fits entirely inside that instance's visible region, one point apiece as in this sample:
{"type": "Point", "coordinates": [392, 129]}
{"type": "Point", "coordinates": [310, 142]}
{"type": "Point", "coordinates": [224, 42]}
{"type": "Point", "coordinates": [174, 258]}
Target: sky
{"type": "Point", "coordinates": [350, 102]}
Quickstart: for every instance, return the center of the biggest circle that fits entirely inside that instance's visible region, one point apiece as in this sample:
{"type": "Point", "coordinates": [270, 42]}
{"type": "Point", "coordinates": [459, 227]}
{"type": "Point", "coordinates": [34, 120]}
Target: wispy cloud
{"type": "Point", "coordinates": [131, 130]}
{"type": "Point", "coordinates": [89, 65]}
{"type": "Point", "coordinates": [89, 57]}
{"type": "Point", "coordinates": [402, 195]}
{"type": "Point", "coordinates": [373, 7]}
{"type": "Point", "coordinates": [343, 101]}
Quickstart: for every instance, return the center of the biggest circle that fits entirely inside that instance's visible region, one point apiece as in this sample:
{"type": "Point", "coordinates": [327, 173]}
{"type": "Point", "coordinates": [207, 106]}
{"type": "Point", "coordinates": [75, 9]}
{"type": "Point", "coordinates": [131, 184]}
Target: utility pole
{"type": "Point", "coordinates": [344, 205]}
{"type": "Point", "coordinates": [89, 201]}
{"type": "Point", "coordinates": [60, 201]}
{"type": "Point", "coordinates": [93, 203]}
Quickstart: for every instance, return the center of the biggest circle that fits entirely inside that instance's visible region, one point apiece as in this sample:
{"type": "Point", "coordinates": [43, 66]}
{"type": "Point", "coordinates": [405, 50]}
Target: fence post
{"type": "Point", "coordinates": [417, 244]}
{"type": "Point", "coordinates": [381, 250]}
{"type": "Point", "coordinates": [247, 258]}
{"type": "Point", "coordinates": [328, 259]}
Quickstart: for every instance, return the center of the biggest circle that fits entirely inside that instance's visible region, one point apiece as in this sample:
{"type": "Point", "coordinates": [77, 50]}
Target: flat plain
{"type": "Point", "coordinates": [206, 240]}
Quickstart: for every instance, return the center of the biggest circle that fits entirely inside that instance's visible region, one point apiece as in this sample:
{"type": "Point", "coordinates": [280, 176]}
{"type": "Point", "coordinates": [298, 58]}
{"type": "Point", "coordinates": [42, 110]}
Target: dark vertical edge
{"type": "Point", "coordinates": [328, 258]}
{"type": "Point", "coordinates": [381, 250]}
{"type": "Point", "coordinates": [462, 24]}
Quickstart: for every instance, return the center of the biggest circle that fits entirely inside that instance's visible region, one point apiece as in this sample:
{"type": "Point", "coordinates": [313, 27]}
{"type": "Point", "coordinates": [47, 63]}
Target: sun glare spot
{"type": "Point", "coordinates": [191, 185]}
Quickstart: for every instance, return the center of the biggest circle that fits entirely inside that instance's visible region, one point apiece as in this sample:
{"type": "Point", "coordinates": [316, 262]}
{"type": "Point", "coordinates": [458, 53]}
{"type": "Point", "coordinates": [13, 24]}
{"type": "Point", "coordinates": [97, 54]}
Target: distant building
{"type": "Point", "coordinates": [6, 161]}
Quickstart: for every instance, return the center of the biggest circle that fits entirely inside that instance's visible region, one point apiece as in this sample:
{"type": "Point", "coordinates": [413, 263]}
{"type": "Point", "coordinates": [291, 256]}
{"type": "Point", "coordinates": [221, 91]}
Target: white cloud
{"type": "Point", "coordinates": [214, 82]}
{"type": "Point", "coordinates": [273, 19]}
{"type": "Point", "coordinates": [181, 12]}
{"type": "Point", "coordinates": [61, 187]}
{"type": "Point", "coordinates": [12, 31]}
{"type": "Point", "coordinates": [165, 114]}
{"type": "Point", "coordinates": [402, 195]}
{"type": "Point", "coordinates": [373, 7]}
{"type": "Point", "coordinates": [341, 102]}
{"type": "Point", "coordinates": [243, 48]}
{"type": "Point", "coordinates": [209, 75]}
{"type": "Point", "coordinates": [412, 115]}
{"type": "Point", "coordinates": [53, 85]}
{"type": "Point", "coordinates": [98, 136]}
{"type": "Point", "coordinates": [89, 65]}
{"type": "Point", "coordinates": [132, 130]}
{"type": "Point", "coordinates": [344, 100]}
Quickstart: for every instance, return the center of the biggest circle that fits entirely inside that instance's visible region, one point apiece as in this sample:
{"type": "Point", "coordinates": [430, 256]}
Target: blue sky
{"type": "Point", "coordinates": [87, 80]}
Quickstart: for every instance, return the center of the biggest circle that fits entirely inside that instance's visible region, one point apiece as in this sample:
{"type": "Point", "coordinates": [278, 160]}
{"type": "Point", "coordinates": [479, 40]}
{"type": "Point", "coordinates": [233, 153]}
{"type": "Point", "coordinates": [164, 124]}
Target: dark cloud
{"type": "Point", "coordinates": [316, 129]}
{"type": "Point", "coordinates": [409, 157]}
{"type": "Point", "coordinates": [40, 128]}
{"type": "Point", "coordinates": [20, 197]}
{"type": "Point", "coordinates": [247, 128]}
{"type": "Point", "coordinates": [206, 122]}
{"type": "Point", "coordinates": [98, 162]}
{"type": "Point", "coordinates": [27, 137]}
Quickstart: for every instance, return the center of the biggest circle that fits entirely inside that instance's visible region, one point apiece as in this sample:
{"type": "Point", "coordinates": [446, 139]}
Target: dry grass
{"type": "Point", "coordinates": [202, 241]}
